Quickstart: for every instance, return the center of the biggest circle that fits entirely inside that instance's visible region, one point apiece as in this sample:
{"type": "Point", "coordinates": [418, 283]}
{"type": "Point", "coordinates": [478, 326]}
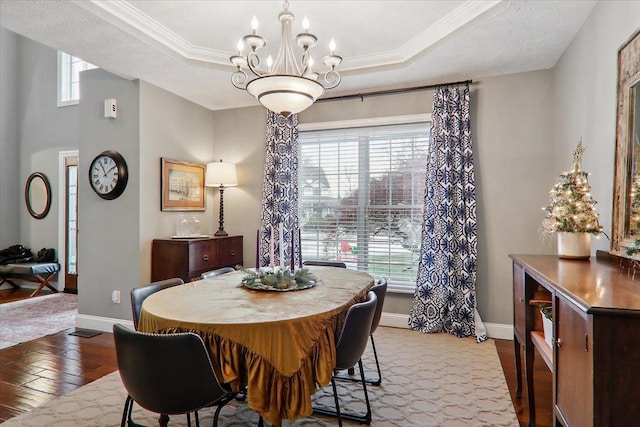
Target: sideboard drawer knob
{"type": "Point", "coordinates": [232, 253]}
{"type": "Point", "coordinates": [558, 343]}
{"type": "Point", "coordinates": [205, 257]}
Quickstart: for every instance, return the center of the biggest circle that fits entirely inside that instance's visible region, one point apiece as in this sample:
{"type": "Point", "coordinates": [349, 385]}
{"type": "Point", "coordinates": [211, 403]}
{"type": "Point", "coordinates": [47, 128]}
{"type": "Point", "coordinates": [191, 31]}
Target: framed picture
{"type": "Point", "coordinates": [182, 186]}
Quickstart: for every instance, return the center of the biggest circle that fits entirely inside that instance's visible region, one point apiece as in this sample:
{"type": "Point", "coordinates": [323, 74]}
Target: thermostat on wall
{"type": "Point", "coordinates": [110, 108]}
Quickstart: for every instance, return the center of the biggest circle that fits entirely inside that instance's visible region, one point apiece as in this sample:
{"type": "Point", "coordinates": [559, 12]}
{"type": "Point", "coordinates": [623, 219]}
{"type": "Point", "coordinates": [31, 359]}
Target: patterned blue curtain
{"type": "Point", "coordinates": [445, 296]}
{"type": "Point", "coordinates": [280, 189]}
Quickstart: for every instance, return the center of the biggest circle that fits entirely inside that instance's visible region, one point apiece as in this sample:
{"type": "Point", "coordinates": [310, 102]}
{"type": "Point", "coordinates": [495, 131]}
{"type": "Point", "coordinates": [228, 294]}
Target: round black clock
{"type": "Point", "coordinates": [108, 174]}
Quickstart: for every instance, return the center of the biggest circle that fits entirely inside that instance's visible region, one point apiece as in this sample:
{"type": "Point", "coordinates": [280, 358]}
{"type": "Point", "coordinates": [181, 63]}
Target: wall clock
{"type": "Point", "coordinates": [108, 174]}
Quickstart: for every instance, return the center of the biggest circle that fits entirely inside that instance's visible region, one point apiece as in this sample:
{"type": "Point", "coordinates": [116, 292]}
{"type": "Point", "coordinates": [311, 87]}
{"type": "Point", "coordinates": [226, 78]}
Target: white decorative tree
{"type": "Point", "coordinates": [571, 213]}
{"type": "Point", "coordinates": [571, 207]}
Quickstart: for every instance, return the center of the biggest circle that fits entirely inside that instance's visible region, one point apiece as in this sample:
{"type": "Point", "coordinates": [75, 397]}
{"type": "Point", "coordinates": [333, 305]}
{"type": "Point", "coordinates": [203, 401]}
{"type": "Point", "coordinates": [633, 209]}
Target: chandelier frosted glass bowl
{"type": "Point", "coordinates": [286, 86]}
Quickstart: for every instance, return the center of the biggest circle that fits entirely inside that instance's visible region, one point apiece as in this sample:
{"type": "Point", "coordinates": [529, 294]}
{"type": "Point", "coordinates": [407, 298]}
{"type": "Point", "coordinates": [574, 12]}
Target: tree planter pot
{"type": "Point", "coordinates": [547, 325]}
{"type": "Point", "coordinates": [574, 245]}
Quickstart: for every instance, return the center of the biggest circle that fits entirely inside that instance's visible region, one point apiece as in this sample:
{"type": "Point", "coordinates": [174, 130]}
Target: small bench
{"type": "Point", "coordinates": [31, 272]}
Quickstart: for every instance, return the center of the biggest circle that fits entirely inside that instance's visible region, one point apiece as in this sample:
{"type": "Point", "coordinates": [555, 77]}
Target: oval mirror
{"type": "Point", "coordinates": [37, 194]}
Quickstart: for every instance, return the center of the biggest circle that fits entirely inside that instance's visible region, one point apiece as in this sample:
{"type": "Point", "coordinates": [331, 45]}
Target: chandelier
{"type": "Point", "coordinates": [286, 86]}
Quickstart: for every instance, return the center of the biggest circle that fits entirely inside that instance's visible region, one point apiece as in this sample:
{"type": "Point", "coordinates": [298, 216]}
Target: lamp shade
{"type": "Point", "coordinates": [221, 173]}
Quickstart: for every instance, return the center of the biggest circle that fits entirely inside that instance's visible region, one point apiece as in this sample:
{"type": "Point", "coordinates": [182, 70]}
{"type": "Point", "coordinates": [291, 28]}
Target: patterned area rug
{"type": "Point", "coordinates": [32, 318]}
{"type": "Point", "coordinates": [428, 380]}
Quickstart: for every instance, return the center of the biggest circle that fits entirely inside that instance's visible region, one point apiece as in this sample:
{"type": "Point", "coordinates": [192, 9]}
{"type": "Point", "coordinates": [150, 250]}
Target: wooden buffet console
{"type": "Point", "coordinates": [189, 258]}
{"type": "Point", "coordinates": [595, 357]}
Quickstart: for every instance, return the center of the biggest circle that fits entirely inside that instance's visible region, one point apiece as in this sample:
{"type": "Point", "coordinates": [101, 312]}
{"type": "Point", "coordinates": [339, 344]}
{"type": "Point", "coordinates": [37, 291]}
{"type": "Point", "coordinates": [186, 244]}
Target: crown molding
{"type": "Point", "coordinates": [124, 15]}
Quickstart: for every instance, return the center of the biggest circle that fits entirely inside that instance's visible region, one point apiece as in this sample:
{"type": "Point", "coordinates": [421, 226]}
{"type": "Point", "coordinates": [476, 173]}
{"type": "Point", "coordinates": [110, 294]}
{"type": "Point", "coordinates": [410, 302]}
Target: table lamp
{"type": "Point", "coordinates": [221, 174]}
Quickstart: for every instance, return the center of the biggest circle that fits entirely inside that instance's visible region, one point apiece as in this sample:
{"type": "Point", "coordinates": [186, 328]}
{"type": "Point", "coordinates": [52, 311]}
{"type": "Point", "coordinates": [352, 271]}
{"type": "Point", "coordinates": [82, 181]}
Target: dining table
{"type": "Point", "coordinates": [280, 345]}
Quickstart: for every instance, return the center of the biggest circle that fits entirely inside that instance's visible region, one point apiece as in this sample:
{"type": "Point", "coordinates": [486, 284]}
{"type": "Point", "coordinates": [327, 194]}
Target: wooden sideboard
{"type": "Point", "coordinates": [595, 357]}
{"type": "Point", "coordinates": [189, 258]}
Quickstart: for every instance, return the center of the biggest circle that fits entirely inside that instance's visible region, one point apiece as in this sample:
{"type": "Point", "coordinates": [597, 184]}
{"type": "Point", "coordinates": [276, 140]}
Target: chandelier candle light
{"type": "Point", "coordinates": [286, 86]}
{"type": "Point", "coordinates": [221, 174]}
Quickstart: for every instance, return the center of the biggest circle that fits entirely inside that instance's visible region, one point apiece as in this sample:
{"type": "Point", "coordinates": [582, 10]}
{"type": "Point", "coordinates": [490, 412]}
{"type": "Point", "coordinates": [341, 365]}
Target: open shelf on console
{"type": "Point", "coordinates": [537, 338]}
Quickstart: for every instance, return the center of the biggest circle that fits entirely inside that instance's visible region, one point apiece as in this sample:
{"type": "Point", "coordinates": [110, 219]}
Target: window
{"type": "Point", "coordinates": [362, 188]}
{"type": "Point", "coordinates": [69, 68]}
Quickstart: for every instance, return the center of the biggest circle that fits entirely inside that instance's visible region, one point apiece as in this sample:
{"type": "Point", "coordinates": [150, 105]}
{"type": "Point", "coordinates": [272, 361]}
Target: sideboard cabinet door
{"type": "Point", "coordinates": [231, 251]}
{"type": "Point", "coordinates": [573, 365]}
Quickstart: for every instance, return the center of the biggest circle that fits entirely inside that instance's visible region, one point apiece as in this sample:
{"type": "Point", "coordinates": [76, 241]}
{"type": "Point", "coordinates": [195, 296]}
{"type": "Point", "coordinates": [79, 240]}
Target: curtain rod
{"type": "Point", "coordinates": [392, 91]}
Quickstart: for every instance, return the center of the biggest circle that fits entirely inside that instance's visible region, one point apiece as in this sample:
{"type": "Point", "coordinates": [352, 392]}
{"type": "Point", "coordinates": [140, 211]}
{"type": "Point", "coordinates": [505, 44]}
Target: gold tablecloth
{"type": "Point", "coordinates": [279, 344]}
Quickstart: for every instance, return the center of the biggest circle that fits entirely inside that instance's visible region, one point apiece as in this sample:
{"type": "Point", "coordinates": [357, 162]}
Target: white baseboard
{"type": "Point", "coordinates": [394, 320]}
{"type": "Point", "coordinates": [494, 330]}
{"type": "Point", "coordinates": [98, 323]}
{"type": "Point", "coordinates": [499, 331]}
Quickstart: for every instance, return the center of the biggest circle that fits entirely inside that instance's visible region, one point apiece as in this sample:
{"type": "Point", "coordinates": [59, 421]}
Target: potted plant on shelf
{"type": "Point", "coordinates": [571, 213]}
{"type": "Point", "coordinates": [547, 322]}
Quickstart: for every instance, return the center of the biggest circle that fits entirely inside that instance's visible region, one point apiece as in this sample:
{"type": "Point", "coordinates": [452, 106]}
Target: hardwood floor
{"type": "Point", "coordinates": [33, 372]}
{"type": "Point", "coordinates": [542, 386]}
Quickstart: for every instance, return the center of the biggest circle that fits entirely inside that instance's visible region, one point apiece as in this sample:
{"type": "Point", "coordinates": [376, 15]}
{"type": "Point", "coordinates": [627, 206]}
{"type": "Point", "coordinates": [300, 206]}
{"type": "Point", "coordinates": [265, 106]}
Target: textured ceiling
{"type": "Point", "coordinates": [184, 46]}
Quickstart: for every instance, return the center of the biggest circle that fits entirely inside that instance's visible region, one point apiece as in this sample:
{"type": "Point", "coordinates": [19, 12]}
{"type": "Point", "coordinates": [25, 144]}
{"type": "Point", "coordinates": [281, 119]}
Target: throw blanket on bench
{"type": "Point", "coordinates": [32, 272]}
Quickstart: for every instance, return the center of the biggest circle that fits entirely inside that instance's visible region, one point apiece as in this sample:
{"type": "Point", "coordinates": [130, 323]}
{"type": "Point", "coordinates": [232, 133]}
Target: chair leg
{"type": "Point", "coordinates": [337, 401]}
{"type": "Point", "coordinates": [129, 414]}
{"type": "Point", "coordinates": [260, 421]}
{"type": "Point", "coordinates": [216, 414]}
{"type": "Point", "coordinates": [366, 395]}
{"type": "Point", "coordinates": [375, 354]}
{"type": "Point", "coordinates": [362, 419]}
{"type": "Point", "coordinates": [130, 422]}
{"type": "Point", "coordinates": [351, 371]}
{"type": "Point", "coordinates": [126, 412]}
{"type": "Point", "coordinates": [188, 419]}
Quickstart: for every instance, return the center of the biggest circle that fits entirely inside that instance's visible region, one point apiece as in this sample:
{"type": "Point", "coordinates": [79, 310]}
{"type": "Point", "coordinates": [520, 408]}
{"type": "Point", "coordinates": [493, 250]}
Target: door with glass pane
{"type": "Point", "coordinates": [71, 225]}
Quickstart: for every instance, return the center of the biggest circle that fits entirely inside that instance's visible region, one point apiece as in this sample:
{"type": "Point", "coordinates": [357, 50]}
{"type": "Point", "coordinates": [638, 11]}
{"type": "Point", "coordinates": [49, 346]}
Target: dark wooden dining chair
{"type": "Point", "coordinates": [349, 350]}
{"type": "Point", "coordinates": [167, 374]}
{"type": "Point", "coordinates": [322, 263]}
{"type": "Point", "coordinates": [217, 272]}
{"type": "Point", "coordinates": [139, 294]}
{"type": "Point", "coordinates": [380, 289]}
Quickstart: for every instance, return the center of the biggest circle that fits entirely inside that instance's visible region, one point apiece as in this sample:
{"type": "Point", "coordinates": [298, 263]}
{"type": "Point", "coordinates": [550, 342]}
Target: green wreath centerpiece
{"type": "Point", "coordinates": [277, 279]}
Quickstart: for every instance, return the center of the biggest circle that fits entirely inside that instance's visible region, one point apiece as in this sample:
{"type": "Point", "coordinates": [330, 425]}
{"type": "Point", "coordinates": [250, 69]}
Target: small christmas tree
{"type": "Point", "coordinates": [571, 207]}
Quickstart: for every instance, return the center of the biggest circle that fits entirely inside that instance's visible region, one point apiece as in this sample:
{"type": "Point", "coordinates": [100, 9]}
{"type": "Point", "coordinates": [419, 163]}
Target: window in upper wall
{"type": "Point", "coordinates": [361, 198]}
{"type": "Point", "coordinates": [69, 68]}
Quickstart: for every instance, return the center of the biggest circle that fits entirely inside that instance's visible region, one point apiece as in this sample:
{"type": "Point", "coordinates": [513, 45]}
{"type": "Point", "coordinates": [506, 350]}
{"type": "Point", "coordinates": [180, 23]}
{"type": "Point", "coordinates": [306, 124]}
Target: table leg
{"type": "Point", "coordinates": [163, 420]}
{"type": "Point", "coordinates": [517, 349]}
{"type": "Point", "coordinates": [528, 361]}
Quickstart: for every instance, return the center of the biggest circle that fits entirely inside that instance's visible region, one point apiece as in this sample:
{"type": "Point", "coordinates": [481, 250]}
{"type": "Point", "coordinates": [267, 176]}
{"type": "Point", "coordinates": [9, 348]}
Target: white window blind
{"type": "Point", "coordinates": [361, 197]}
{"type": "Point", "coordinates": [69, 68]}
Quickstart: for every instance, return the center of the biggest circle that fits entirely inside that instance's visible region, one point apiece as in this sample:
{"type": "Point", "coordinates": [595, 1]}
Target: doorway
{"type": "Point", "coordinates": [68, 222]}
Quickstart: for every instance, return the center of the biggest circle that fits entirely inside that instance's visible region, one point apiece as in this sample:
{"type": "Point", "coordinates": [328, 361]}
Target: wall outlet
{"type": "Point", "coordinates": [115, 297]}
